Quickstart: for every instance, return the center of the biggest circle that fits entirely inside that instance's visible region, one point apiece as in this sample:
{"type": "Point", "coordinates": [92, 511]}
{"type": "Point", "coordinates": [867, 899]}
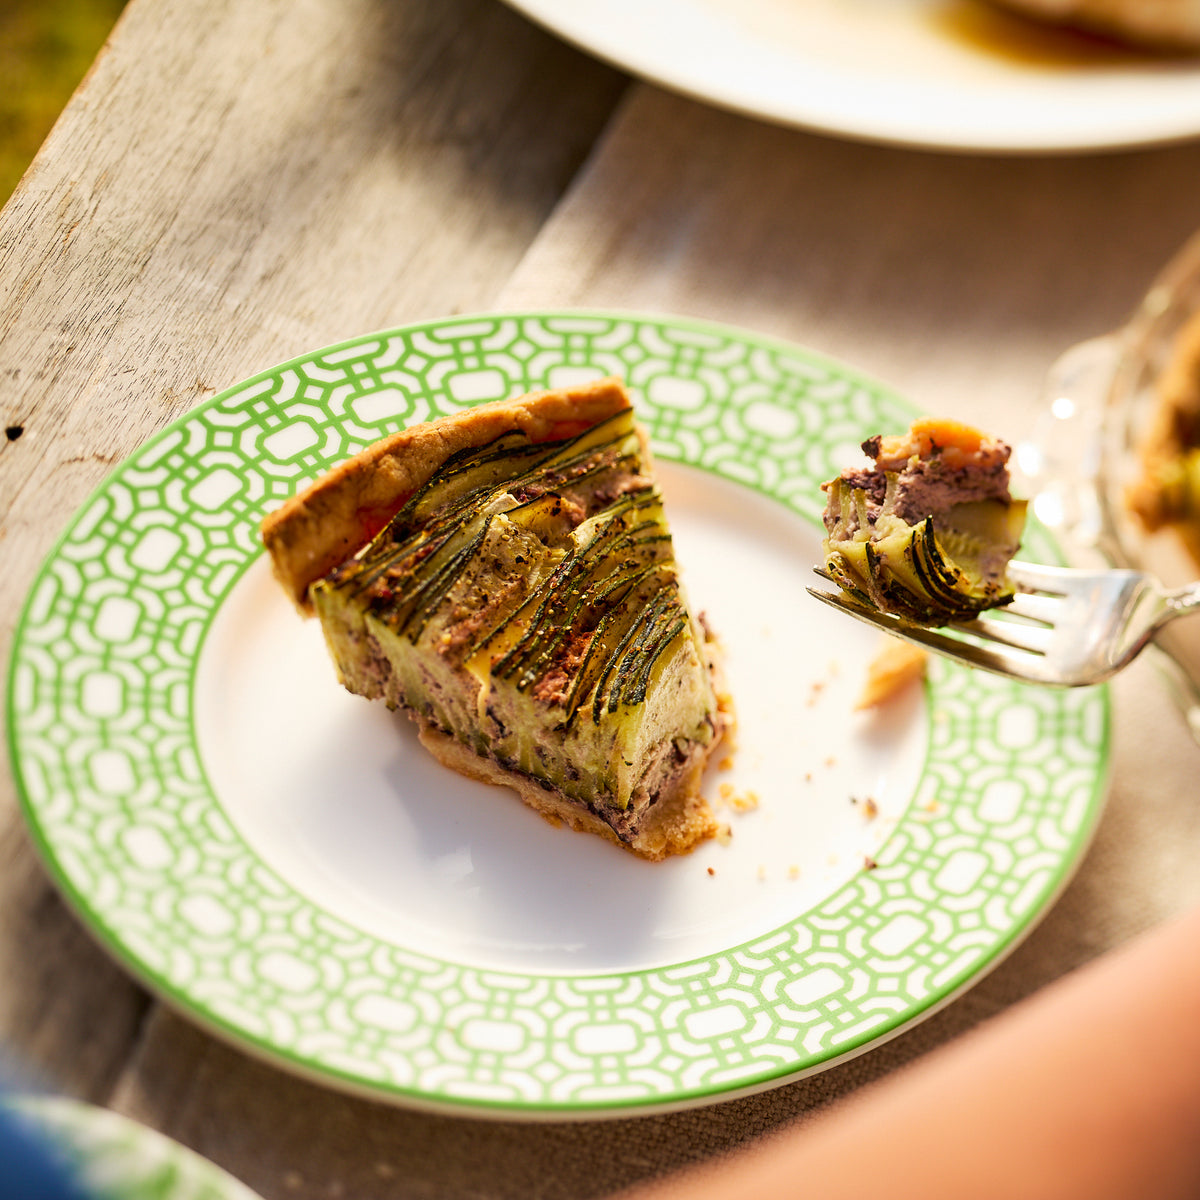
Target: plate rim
{"type": "Point", "coordinates": [59, 1118]}
{"type": "Point", "coordinates": [555, 17]}
{"type": "Point", "coordinates": [110, 939]}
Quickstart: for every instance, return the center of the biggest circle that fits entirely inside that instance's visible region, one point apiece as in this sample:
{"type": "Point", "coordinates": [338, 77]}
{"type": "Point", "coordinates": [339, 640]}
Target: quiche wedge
{"type": "Point", "coordinates": [506, 575]}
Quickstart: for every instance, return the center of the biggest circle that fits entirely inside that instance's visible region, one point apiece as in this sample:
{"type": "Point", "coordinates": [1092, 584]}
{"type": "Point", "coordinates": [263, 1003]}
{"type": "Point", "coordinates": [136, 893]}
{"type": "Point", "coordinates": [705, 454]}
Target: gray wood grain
{"type": "Point", "coordinates": [955, 278]}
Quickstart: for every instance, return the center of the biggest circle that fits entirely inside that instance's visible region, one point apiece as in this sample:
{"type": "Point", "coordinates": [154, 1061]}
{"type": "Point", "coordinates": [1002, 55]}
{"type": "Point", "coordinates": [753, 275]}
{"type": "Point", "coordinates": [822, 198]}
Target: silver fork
{"type": "Point", "coordinates": [1065, 627]}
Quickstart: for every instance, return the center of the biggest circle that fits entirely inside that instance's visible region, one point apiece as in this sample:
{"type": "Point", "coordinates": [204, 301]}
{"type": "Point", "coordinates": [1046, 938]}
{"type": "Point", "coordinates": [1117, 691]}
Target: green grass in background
{"type": "Point", "coordinates": [46, 47]}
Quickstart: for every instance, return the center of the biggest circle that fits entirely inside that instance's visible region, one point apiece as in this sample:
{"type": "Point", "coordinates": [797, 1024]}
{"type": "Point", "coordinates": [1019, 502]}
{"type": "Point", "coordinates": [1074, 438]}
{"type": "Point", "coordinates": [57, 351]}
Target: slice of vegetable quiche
{"type": "Point", "coordinates": [506, 575]}
{"type": "Point", "coordinates": [927, 531]}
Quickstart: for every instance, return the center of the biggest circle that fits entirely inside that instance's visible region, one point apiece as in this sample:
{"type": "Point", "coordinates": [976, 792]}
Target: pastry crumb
{"type": "Point", "coordinates": [712, 870]}
{"type": "Point", "coordinates": [869, 864]}
{"type": "Point", "coordinates": [739, 801]}
{"type": "Point", "coordinates": [870, 809]}
{"type": "Point", "coordinates": [819, 685]}
{"type": "Point", "coordinates": [894, 668]}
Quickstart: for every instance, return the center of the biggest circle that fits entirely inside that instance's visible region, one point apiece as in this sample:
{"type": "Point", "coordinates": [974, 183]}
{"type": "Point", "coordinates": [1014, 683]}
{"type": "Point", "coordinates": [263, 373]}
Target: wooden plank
{"type": "Point", "coordinates": [957, 279]}
{"type": "Point", "coordinates": [233, 184]}
{"type": "Point", "coordinates": [68, 1013]}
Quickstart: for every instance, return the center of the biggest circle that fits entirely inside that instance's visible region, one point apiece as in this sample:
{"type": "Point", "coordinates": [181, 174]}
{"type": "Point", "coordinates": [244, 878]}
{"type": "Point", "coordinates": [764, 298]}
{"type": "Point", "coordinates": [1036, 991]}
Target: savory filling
{"type": "Point", "coordinates": [1166, 493]}
{"type": "Point", "coordinates": [525, 601]}
{"type": "Point", "coordinates": [927, 531]}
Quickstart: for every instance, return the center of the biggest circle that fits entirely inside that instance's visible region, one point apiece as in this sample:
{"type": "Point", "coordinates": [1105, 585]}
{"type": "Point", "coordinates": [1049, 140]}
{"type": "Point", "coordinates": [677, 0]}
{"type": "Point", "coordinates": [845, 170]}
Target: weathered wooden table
{"type": "Point", "coordinates": [236, 183]}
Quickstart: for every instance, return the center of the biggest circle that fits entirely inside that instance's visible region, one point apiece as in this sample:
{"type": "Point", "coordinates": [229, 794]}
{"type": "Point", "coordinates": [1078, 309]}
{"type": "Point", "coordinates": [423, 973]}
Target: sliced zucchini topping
{"type": "Point", "coordinates": [928, 530]}
{"type": "Point", "coordinates": [540, 578]}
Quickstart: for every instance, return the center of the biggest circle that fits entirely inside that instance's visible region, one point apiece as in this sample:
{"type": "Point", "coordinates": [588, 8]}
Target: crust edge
{"type": "Point", "coordinates": [679, 820]}
{"type": "Point", "coordinates": [334, 517]}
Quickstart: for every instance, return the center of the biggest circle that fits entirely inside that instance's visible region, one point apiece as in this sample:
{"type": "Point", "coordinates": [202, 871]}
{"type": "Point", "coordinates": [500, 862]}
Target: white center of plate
{"type": "Point", "coordinates": [335, 794]}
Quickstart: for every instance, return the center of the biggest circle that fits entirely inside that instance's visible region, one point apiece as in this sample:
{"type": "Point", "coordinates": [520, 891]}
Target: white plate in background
{"type": "Point", "coordinates": [942, 74]}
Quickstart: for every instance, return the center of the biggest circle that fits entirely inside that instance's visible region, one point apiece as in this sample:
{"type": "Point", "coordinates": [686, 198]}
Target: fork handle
{"type": "Point", "coordinates": [1183, 600]}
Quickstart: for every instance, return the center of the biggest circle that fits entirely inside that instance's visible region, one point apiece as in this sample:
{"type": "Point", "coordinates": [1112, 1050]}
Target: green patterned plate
{"type": "Point", "coordinates": [115, 1158]}
{"type": "Point", "coordinates": [284, 863]}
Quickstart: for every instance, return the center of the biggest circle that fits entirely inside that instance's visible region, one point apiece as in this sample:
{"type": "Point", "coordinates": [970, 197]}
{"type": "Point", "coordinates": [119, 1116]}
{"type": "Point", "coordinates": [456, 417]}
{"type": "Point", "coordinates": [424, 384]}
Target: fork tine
{"type": "Point", "coordinates": [1038, 577]}
{"type": "Point", "coordinates": [1045, 610]}
{"type": "Point", "coordinates": [1036, 608]}
{"type": "Point", "coordinates": [1020, 635]}
{"type": "Point", "coordinates": [1013, 664]}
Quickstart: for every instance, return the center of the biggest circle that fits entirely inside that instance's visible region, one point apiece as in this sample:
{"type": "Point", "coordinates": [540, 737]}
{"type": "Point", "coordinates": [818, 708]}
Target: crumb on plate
{"type": "Point", "coordinates": [870, 809]}
{"type": "Point", "coordinates": [896, 666]}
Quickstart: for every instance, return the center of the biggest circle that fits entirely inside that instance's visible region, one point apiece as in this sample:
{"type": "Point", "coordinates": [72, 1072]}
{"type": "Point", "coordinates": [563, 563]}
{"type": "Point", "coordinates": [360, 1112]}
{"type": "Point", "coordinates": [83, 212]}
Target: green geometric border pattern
{"type": "Point", "coordinates": [103, 744]}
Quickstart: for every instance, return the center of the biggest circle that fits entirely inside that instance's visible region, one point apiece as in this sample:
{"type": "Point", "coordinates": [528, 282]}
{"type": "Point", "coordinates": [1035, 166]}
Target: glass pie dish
{"type": "Point", "coordinates": [1104, 401]}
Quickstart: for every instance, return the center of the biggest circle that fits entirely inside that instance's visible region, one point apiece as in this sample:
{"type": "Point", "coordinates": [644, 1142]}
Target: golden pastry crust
{"type": "Point", "coordinates": [317, 530]}
{"type": "Point", "coordinates": [897, 666]}
{"type": "Point", "coordinates": [678, 821]}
